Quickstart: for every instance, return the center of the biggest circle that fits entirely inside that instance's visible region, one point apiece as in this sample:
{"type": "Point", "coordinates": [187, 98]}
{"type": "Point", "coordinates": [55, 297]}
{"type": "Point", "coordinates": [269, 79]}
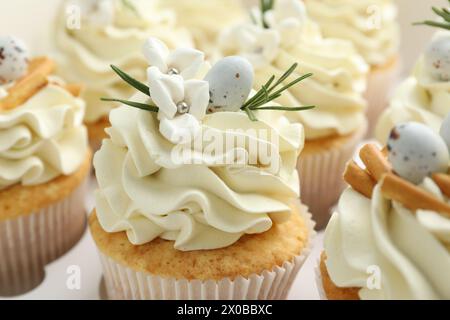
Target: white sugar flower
{"type": "Point", "coordinates": [97, 12]}
{"type": "Point", "coordinates": [258, 45]}
{"type": "Point", "coordinates": [182, 104]}
{"type": "Point", "coordinates": [288, 18]}
{"type": "Point", "coordinates": [186, 62]}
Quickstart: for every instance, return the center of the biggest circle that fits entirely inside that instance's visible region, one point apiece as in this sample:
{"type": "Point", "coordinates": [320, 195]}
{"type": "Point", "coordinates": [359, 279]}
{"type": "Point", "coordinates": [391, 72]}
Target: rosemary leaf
{"type": "Point", "coordinates": [265, 5]}
{"type": "Point", "coordinates": [131, 81]}
{"type": "Point", "coordinates": [284, 108]}
{"type": "Point", "coordinates": [269, 82]}
{"type": "Point", "coordinates": [130, 7]}
{"type": "Point", "coordinates": [255, 97]}
{"type": "Point", "coordinates": [285, 75]}
{"type": "Point", "coordinates": [137, 105]}
{"type": "Point", "coordinates": [261, 103]}
{"type": "Point", "coordinates": [434, 24]}
{"type": "Point", "coordinates": [250, 114]}
{"type": "Point", "coordinates": [441, 13]}
{"type": "Point", "coordinates": [292, 83]}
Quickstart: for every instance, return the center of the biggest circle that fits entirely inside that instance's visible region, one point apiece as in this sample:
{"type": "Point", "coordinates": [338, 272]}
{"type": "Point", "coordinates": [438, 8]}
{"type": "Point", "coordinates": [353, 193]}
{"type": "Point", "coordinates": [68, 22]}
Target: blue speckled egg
{"type": "Point", "coordinates": [416, 151]}
{"type": "Point", "coordinates": [437, 58]}
{"type": "Point", "coordinates": [230, 82]}
{"type": "Point", "coordinates": [445, 130]}
{"type": "Point", "coordinates": [14, 59]}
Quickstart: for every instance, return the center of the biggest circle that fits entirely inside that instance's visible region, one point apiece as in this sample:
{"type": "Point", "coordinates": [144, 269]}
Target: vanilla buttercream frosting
{"type": "Point", "coordinates": [408, 252]}
{"type": "Point", "coordinates": [419, 98]}
{"type": "Point", "coordinates": [202, 201]}
{"type": "Point", "coordinates": [339, 72]}
{"type": "Point", "coordinates": [370, 24]}
{"type": "Point", "coordinates": [206, 19]}
{"type": "Point", "coordinates": [111, 35]}
{"type": "Point", "coordinates": [43, 138]}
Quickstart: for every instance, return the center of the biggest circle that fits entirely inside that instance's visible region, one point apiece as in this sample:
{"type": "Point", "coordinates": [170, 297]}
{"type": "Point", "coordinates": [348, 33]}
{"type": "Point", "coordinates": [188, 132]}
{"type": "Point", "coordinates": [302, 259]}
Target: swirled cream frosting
{"type": "Point", "coordinates": [42, 138]}
{"type": "Point", "coordinates": [387, 250]}
{"type": "Point", "coordinates": [151, 188]}
{"type": "Point", "coordinates": [420, 98]}
{"type": "Point", "coordinates": [339, 72]}
{"type": "Point", "coordinates": [110, 32]}
{"type": "Point", "coordinates": [369, 24]}
{"type": "Point", "coordinates": [206, 19]}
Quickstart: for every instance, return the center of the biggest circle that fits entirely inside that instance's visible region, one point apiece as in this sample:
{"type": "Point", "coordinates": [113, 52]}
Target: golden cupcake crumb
{"type": "Point", "coordinates": [19, 200]}
{"type": "Point", "coordinates": [251, 254]}
{"type": "Point", "coordinates": [96, 131]}
{"type": "Point", "coordinates": [332, 291]}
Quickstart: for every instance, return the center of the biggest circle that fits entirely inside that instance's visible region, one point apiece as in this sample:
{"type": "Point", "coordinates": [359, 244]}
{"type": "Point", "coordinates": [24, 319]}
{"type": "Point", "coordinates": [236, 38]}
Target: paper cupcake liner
{"type": "Point", "coordinates": [30, 242]}
{"type": "Point", "coordinates": [380, 85]}
{"type": "Point", "coordinates": [319, 282]}
{"type": "Point", "coordinates": [122, 282]}
{"type": "Point", "coordinates": [321, 181]}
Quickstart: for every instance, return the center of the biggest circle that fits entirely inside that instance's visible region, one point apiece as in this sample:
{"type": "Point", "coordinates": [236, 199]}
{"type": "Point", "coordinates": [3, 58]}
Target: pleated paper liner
{"type": "Point", "coordinates": [381, 83]}
{"type": "Point", "coordinates": [319, 283]}
{"type": "Point", "coordinates": [122, 282]}
{"type": "Point", "coordinates": [30, 242]}
{"type": "Point", "coordinates": [321, 181]}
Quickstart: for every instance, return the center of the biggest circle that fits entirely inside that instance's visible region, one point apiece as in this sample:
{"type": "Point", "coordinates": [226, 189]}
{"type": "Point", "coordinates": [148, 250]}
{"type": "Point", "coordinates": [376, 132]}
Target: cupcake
{"type": "Point", "coordinates": [284, 35]}
{"type": "Point", "coordinates": [44, 163]}
{"type": "Point", "coordinates": [198, 190]}
{"type": "Point", "coordinates": [372, 27]}
{"type": "Point", "coordinates": [424, 96]}
{"type": "Point", "coordinates": [109, 32]}
{"type": "Point", "coordinates": [205, 19]}
{"type": "Point", "coordinates": [390, 236]}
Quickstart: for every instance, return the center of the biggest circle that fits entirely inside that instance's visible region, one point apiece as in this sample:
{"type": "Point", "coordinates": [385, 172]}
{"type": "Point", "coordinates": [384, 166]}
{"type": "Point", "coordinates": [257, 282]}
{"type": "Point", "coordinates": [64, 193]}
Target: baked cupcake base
{"type": "Point", "coordinates": [38, 224]}
{"type": "Point", "coordinates": [96, 132]}
{"type": "Point", "coordinates": [329, 289]}
{"type": "Point", "coordinates": [260, 266]}
{"type": "Point", "coordinates": [321, 166]}
{"type": "Point", "coordinates": [380, 83]}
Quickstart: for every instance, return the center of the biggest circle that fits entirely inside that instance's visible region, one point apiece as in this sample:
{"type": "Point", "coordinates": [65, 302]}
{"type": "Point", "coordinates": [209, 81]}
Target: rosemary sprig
{"type": "Point", "coordinates": [286, 108]}
{"type": "Point", "coordinates": [131, 81]}
{"type": "Point", "coordinates": [444, 13]}
{"type": "Point", "coordinates": [265, 5]}
{"type": "Point", "coordinates": [130, 6]}
{"type": "Point", "coordinates": [270, 91]}
{"type": "Point", "coordinates": [142, 106]}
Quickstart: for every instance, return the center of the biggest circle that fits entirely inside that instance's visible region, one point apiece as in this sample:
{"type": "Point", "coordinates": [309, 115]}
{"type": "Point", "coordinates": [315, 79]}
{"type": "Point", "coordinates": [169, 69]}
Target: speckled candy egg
{"type": "Point", "coordinates": [230, 82]}
{"type": "Point", "coordinates": [416, 151]}
{"type": "Point", "coordinates": [437, 58]}
{"type": "Point", "coordinates": [445, 130]}
{"type": "Point", "coordinates": [14, 59]}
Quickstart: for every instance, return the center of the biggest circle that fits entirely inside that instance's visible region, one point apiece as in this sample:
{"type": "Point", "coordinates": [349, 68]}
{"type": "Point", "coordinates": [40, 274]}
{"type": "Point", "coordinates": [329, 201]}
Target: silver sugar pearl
{"type": "Point", "coordinates": [173, 71]}
{"type": "Point", "coordinates": [182, 107]}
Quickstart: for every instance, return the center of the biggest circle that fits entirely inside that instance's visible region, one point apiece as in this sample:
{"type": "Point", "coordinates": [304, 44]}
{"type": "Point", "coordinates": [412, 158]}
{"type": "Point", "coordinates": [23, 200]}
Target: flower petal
{"type": "Point", "coordinates": [181, 129]}
{"type": "Point", "coordinates": [166, 91]}
{"type": "Point", "coordinates": [156, 53]}
{"type": "Point", "coordinates": [286, 9]}
{"type": "Point", "coordinates": [187, 61]}
{"type": "Point", "coordinates": [196, 95]}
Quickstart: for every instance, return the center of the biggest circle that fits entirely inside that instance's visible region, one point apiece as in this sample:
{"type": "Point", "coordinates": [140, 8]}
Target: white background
{"type": "Point", "coordinates": [33, 21]}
